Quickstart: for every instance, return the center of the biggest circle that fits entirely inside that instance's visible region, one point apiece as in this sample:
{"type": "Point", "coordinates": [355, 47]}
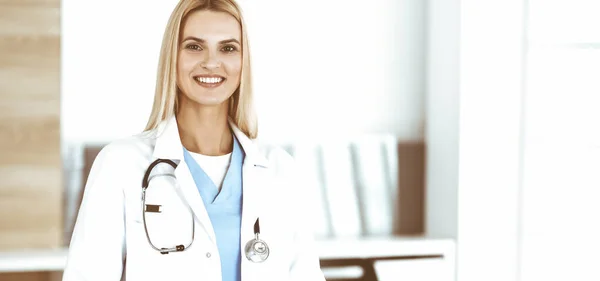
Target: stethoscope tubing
{"type": "Point", "coordinates": [252, 253]}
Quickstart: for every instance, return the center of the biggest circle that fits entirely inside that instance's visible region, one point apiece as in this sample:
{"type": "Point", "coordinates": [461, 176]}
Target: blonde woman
{"type": "Point", "coordinates": [193, 197]}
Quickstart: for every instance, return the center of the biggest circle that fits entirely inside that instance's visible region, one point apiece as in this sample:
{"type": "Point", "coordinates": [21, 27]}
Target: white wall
{"type": "Point", "coordinates": [442, 108]}
{"type": "Point", "coordinates": [490, 139]}
{"type": "Point", "coordinates": [562, 148]}
{"type": "Point", "coordinates": [529, 151]}
{"type": "Point", "coordinates": [320, 67]}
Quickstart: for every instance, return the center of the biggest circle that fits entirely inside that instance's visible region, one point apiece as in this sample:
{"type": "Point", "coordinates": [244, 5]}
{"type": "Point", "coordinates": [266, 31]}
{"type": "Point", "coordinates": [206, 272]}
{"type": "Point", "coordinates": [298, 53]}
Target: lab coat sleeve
{"type": "Point", "coordinates": [305, 265]}
{"type": "Point", "coordinates": [97, 248]}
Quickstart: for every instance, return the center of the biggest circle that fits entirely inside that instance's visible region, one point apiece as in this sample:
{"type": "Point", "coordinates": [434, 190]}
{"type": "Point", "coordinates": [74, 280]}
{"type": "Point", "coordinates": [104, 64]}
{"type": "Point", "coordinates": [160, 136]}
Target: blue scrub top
{"type": "Point", "coordinates": [224, 209]}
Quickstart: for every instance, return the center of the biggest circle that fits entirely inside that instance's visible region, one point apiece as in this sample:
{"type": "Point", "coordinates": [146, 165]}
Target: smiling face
{"type": "Point", "coordinates": [209, 63]}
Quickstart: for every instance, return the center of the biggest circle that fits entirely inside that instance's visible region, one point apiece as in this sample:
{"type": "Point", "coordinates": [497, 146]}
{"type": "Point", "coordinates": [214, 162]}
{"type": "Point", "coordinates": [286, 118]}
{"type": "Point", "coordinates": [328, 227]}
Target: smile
{"type": "Point", "coordinates": [209, 81]}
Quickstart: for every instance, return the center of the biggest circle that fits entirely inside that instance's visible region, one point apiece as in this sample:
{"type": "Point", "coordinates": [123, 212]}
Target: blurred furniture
{"type": "Point", "coordinates": [30, 163]}
{"type": "Point", "coordinates": [370, 185]}
{"type": "Point", "coordinates": [387, 258]}
{"type": "Point", "coordinates": [378, 259]}
{"type": "Point", "coordinates": [32, 264]}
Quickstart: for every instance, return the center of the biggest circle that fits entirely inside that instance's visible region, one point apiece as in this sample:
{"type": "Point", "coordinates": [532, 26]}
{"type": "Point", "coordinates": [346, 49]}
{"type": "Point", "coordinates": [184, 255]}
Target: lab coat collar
{"type": "Point", "coordinates": [168, 143]}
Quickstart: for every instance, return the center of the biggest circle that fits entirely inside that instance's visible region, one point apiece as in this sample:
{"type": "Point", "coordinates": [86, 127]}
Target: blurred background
{"type": "Point", "coordinates": [440, 139]}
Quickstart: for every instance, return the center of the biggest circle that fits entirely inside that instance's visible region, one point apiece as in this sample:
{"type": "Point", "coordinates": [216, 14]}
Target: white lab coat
{"type": "Point", "coordinates": [109, 242]}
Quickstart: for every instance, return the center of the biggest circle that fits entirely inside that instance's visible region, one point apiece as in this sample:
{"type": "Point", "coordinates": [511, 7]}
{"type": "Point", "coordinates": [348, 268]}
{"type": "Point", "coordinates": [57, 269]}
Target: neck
{"type": "Point", "coordinates": [205, 130]}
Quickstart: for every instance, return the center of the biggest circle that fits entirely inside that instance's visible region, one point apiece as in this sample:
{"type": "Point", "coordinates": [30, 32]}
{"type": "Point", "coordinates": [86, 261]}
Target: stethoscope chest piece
{"type": "Point", "coordinates": [256, 250]}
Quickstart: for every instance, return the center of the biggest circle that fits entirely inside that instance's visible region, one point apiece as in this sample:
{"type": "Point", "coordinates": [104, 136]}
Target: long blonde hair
{"type": "Point", "coordinates": [241, 104]}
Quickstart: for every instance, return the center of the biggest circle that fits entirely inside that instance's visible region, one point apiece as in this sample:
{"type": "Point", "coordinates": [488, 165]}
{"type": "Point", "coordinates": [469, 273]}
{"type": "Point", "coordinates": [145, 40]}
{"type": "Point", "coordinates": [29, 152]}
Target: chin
{"type": "Point", "coordinates": [211, 97]}
{"type": "Point", "coordinates": [210, 100]}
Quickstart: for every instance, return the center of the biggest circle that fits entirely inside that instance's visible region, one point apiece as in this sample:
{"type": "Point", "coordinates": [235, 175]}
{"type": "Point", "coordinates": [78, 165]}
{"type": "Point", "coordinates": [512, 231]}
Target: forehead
{"type": "Point", "coordinates": [210, 24]}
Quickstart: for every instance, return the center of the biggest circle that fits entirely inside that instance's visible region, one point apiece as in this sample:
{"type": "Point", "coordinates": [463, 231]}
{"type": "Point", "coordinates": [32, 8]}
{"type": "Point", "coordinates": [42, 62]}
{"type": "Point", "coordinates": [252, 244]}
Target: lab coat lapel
{"type": "Point", "coordinates": [168, 146]}
{"type": "Point", "coordinates": [252, 200]}
{"type": "Point", "coordinates": [254, 174]}
{"type": "Point", "coordinates": [189, 193]}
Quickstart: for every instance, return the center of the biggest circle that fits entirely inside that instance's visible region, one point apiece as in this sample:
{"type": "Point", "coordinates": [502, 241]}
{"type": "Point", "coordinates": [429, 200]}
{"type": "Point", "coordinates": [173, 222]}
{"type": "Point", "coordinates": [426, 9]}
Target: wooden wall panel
{"type": "Point", "coordinates": [32, 276]}
{"type": "Point", "coordinates": [31, 188]}
{"type": "Point", "coordinates": [29, 18]}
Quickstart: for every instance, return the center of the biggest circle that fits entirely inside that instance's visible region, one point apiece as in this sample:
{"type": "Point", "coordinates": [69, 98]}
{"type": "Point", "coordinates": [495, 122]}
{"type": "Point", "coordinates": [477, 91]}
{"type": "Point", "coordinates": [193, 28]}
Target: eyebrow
{"type": "Point", "coordinates": [204, 41]}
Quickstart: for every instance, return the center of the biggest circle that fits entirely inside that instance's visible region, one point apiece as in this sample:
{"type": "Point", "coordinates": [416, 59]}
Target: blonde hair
{"type": "Point", "coordinates": [241, 107]}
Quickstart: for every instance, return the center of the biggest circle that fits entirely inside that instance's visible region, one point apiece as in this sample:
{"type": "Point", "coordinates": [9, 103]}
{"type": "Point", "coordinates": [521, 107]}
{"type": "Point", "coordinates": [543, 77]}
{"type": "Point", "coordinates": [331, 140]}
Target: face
{"type": "Point", "coordinates": [209, 64]}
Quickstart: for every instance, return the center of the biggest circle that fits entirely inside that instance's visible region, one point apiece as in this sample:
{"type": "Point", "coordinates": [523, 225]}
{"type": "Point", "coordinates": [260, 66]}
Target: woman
{"type": "Point", "coordinates": [223, 208]}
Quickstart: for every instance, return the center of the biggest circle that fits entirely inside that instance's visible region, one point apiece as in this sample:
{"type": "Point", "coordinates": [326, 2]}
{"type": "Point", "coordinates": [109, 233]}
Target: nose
{"type": "Point", "coordinates": [210, 61]}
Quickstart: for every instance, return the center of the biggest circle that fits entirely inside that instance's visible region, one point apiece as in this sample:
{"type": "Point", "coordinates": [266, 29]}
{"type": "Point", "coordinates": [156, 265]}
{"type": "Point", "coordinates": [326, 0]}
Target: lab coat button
{"type": "Point", "coordinates": [208, 255]}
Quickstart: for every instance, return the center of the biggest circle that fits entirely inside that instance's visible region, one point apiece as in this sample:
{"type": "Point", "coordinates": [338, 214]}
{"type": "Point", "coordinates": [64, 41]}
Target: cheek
{"type": "Point", "coordinates": [233, 66]}
{"type": "Point", "coordinates": [185, 64]}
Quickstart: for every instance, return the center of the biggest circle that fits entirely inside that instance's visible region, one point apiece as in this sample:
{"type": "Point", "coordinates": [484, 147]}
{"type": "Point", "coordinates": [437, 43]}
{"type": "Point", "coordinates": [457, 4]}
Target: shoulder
{"type": "Point", "coordinates": [123, 152]}
{"type": "Point", "coordinates": [282, 168]}
{"type": "Point", "coordinates": [278, 158]}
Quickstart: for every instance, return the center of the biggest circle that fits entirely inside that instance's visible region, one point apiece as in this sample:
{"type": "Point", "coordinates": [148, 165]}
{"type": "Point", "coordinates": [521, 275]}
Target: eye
{"type": "Point", "coordinates": [193, 47]}
{"type": "Point", "coordinates": [229, 49]}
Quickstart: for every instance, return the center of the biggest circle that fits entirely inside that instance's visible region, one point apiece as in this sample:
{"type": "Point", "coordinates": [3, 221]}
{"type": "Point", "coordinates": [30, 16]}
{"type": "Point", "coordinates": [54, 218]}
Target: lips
{"type": "Point", "coordinates": [209, 81]}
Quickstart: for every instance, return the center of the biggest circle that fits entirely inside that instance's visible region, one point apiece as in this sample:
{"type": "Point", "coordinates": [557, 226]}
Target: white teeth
{"type": "Point", "coordinates": [209, 80]}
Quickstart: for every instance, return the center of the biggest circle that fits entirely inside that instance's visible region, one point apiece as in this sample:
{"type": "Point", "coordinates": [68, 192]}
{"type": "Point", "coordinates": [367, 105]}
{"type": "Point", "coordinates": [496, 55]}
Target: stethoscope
{"type": "Point", "coordinates": [256, 250]}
